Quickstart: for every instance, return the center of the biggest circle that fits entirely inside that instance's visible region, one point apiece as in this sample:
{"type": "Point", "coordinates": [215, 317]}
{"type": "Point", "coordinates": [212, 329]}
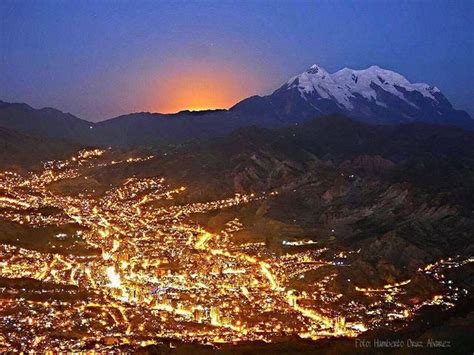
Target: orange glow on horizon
{"type": "Point", "coordinates": [200, 86]}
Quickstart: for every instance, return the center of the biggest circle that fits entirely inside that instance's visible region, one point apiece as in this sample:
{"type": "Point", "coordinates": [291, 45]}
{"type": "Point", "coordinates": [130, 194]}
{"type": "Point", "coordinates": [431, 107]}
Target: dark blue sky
{"type": "Point", "coordinates": [99, 59]}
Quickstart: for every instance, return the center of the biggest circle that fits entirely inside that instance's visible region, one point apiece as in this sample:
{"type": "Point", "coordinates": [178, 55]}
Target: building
{"type": "Point", "coordinates": [340, 323]}
{"type": "Point", "coordinates": [198, 314]}
{"type": "Point", "coordinates": [215, 316]}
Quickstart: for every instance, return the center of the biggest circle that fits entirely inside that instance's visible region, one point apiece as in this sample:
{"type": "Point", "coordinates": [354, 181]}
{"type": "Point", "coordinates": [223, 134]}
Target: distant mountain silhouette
{"type": "Point", "coordinates": [372, 95]}
{"type": "Point", "coordinates": [45, 122]}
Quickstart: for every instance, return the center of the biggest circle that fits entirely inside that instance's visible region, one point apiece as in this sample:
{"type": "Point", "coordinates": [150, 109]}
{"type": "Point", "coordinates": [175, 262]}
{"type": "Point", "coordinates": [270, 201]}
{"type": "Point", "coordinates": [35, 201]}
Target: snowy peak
{"type": "Point", "coordinates": [373, 94]}
{"type": "Point", "coordinates": [317, 70]}
{"type": "Point", "coordinates": [364, 80]}
{"type": "Point", "coordinates": [347, 84]}
{"type": "Point", "coordinates": [366, 76]}
{"type": "Point", "coordinates": [316, 81]}
{"type": "Point", "coordinates": [309, 78]}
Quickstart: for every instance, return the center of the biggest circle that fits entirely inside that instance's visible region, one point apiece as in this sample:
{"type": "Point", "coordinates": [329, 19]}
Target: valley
{"type": "Point", "coordinates": [142, 262]}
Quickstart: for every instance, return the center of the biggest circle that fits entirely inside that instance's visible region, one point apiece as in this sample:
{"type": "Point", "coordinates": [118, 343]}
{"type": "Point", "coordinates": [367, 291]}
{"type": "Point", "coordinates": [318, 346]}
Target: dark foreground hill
{"type": "Point", "coordinates": [333, 173]}
{"type": "Point", "coordinates": [393, 198]}
{"type": "Point", "coordinates": [254, 158]}
{"type": "Point", "coordinates": [18, 150]}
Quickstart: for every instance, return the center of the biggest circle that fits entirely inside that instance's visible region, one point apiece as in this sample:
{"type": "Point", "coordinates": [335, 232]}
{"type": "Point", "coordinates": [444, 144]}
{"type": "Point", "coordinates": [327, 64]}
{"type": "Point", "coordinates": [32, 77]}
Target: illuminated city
{"type": "Point", "coordinates": [236, 177]}
{"type": "Point", "coordinates": [140, 269]}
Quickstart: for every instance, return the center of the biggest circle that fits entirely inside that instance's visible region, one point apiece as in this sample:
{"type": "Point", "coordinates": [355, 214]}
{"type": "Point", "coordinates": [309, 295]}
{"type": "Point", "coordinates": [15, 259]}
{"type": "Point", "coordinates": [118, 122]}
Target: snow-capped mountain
{"type": "Point", "coordinates": [347, 84]}
{"type": "Point", "coordinates": [373, 94]}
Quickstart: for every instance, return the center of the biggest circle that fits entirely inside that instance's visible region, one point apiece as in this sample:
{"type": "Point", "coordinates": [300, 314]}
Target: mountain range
{"type": "Point", "coordinates": [373, 95]}
{"type": "Point", "coordinates": [387, 174]}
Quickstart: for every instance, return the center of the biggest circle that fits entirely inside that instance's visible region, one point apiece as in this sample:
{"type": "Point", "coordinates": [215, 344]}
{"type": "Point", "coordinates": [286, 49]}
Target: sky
{"type": "Point", "coordinates": [103, 58]}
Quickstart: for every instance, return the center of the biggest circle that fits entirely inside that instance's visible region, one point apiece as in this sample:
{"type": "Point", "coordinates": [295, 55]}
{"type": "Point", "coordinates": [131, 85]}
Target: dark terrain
{"type": "Point", "coordinates": [403, 194]}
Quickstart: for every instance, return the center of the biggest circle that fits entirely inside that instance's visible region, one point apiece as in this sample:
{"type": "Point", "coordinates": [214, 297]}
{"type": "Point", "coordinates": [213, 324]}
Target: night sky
{"type": "Point", "coordinates": [100, 59]}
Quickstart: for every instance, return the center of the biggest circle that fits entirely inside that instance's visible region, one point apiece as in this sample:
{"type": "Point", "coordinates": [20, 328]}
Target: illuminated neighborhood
{"type": "Point", "coordinates": [149, 272]}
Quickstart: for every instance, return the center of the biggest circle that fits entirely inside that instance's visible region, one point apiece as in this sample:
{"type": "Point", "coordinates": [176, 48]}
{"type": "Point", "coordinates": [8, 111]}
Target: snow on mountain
{"type": "Point", "coordinates": [346, 84]}
{"type": "Point", "coordinates": [318, 80]}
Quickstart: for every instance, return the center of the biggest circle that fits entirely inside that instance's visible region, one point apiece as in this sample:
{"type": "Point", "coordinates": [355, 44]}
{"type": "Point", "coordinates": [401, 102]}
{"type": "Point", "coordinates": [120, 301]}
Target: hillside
{"type": "Point", "coordinates": [19, 150]}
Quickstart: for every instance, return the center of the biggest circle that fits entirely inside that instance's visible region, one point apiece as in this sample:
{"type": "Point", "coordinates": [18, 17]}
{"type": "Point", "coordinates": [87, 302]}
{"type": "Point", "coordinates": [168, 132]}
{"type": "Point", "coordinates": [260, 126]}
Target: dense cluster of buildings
{"type": "Point", "coordinates": [157, 274]}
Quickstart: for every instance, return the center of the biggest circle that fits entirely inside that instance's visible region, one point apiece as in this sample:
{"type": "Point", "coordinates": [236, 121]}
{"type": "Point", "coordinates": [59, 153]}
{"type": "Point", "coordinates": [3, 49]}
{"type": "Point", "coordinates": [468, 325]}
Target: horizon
{"type": "Point", "coordinates": [191, 110]}
{"type": "Point", "coordinates": [71, 56]}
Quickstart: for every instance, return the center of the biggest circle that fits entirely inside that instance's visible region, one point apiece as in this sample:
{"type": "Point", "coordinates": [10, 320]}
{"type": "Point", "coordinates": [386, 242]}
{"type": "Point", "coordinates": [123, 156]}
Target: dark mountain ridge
{"type": "Point", "coordinates": [259, 159]}
{"type": "Point", "coordinates": [45, 122]}
{"type": "Point", "coordinates": [371, 95]}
